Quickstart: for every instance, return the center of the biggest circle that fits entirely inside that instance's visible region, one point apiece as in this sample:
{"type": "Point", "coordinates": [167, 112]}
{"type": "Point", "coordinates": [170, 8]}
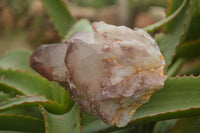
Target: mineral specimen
{"type": "Point", "coordinates": [111, 71]}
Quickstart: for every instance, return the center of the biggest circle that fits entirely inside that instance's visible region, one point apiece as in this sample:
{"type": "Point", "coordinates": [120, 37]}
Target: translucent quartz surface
{"type": "Point", "coordinates": [111, 71]}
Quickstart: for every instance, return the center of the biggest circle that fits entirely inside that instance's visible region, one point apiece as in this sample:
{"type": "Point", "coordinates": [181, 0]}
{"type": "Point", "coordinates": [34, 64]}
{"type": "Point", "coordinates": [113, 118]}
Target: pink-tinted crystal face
{"type": "Point", "coordinates": [111, 71]}
{"type": "Point", "coordinates": [48, 60]}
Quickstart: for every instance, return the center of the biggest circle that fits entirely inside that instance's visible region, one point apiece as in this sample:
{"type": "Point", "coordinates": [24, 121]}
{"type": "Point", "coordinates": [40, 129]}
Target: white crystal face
{"type": "Point", "coordinates": [48, 60]}
{"type": "Point", "coordinates": [111, 71]}
{"type": "Point", "coordinates": [115, 73]}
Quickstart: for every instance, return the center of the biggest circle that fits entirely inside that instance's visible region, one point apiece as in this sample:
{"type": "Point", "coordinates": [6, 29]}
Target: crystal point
{"type": "Point", "coordinates": [111, 71]}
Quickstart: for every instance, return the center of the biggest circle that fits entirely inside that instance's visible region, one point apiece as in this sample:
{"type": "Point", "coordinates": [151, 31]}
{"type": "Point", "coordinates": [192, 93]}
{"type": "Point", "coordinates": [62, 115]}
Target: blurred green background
{"type": "Point", "coordinates": [25, 23]}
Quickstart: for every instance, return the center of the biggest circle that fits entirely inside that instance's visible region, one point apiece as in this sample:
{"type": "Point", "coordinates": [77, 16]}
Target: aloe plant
{"type": "Point", "coordinates": [31, 103]}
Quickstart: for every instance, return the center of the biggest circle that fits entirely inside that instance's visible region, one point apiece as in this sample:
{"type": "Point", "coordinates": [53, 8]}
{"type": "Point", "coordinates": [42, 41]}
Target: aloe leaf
{"type": "Point", "coordinates": [9, 89]}
{"type": "Point", "coordinates": [11, 132]}
{"type": "Point", "coordinates": [187, 125]}
{"type": "Point", "coordinates": [4, 96]}
{"type": "Point", "coordinates": [25, 83]}
{"type": "Point", "coordinates": [157, 25]}
{"type": "Point", "coordinates": [17, 59]}
{"type": "Point", "coordinates": [193, 31]}
{"type": "Point", "coordinates": [176, 29]}
{"type": "Point", "coordinates": [184, 101]}
{"type": "Point", "coordinates": [21, 101]}
{"type": "Point", "coordinates": [59, 15]}
{"type": "Point", "coordinates": [126, 130]}
{"type": "Point", "coordinates": [174, 69]}
{"type": "Point", "coordinates": [65, 123]}
{"type": "Point", "coordinates": [191, 68]}
{"type": "Point", "coordinates": [198, 6]}
{"type": "Point", "coordinates": [35, 83]}
{"type": "Point", "coordinates": [179, 98]}
{"type": "Point", "coordinates": [21, 123]}
{"type": "Point", "coordinates": [89, 122]}
{"type": "Point", "coordinates": [30, 111]}
{"type": "Point", "coordinates": [81, 25]}
{"type": "Point", "coordinates": [189, 49]}
{"type": "Point", "coordinates": [164, 126]}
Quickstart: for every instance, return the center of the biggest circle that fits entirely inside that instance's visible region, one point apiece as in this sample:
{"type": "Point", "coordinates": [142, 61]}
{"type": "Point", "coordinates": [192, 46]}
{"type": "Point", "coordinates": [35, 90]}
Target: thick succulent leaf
{"type": "Point", "coordinates": [174, 69]}
{"type": "Point", "coordinates": [179, 98]}
{"type": "Point", "coordinates": [187, 125]}
{"type": "Point", "coordinates": [21, 123]}
{"type": "Point", "coordinates": [191, 68]}
{"type": "Point", "coordinates": [159, 24]}
{"type": "Point", "coordinates": [65, 123]}
{"type": "Point", "coordinates": [30, 111]}
{"type": "Point", "coordinates": [82, 25]}
{"type": "Point", "coordinates": [20, 101]}
{"type": "Point", "coordinates": [34, 83]}
{"type": "Point", "coordinates": [198, 6]}
{"type": "Point", "coordinates": [4, 96]}
{"type": "Point", "coordinates": [89, 122]}
{"type": "Point", "coordinates": [60, 15]}
{"type": "Point", "coordinates": [126, 130]}
{"type": "Point", "coordinates": [11, 132]}
{"type": "Point", "coordinates": [25, 83]}
{"type": "Point", "coordinates": [193, 31]}
{"type": "Point", "coordinates": [164, 126]}
{"type": "Point", "coordinates": [189, 49]}
{"type": "Point", "coordinates": [175, 29]}
{"type": "Point", "coordinates": [17, 59]}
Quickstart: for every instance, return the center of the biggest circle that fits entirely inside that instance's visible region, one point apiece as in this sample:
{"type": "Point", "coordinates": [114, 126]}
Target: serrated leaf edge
{"type": "Point", "coordinates": [157, 25]}
{"type": "Point", "coordinates": [182, 34]}
{"type": "Point", "coordinates": [37, 102]}
{"type": "Point", "coordinates": [20, 116]}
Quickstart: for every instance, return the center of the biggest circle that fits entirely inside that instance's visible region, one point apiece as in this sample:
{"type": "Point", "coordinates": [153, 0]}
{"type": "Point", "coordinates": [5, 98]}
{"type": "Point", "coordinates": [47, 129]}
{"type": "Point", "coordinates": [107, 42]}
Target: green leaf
{"type": "Point", "coordinates": [193, 31]}
{"type": "Point", "coordinates": [66, 123]}
{"type": "Point", "coordinates": [17, 59]}
{"type": "Point", "coordinates": [21, 101]}
{"type": "Point", "coordinates": [164, 126]}
{"type": "Point", "coordinates": [179, 98]}
{"type": "Point", "coordinates": [174, 69]}
{"type": "Point", "coordinates": [11, 132]}
{"type": "Point", "coordinates": [189, 49]}
{"type": "Point", "coordinates": [198, 6]}
{"type": "Point", "coordinates": [21, 123]}
{"type": "Point", "coordinates": [25, 83]}
{"type": "Point", "coordinates": [4, 96]}
{"type": "Point", "coordinates": [157, 25]}
{"type": "Point", "coordinates": [176, 29]}
{"type": "Point", "coordinates": [187, 125]}
{"type": "Point", "coordinates": [30, 111]}
{"type": "Point", "coordinates": [191, 68]}
{"type": "Point", "coordinates": [59, 15]}
{"type": "Point", "coordinates": [126, 130]}
{"type": "Point", "coordinates": [89, 122]}
{"type": "Point", "coordinates": [82, 25]}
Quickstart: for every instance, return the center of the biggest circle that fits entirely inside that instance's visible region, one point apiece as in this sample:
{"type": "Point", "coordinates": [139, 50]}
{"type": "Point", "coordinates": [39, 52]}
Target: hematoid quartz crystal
{"type": "Point", "coordinates": [110, 71]}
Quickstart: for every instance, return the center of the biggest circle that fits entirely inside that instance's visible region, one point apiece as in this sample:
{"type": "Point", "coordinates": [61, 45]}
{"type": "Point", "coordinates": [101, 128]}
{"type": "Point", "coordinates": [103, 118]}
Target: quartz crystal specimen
{"type": "Point", "coordinates": [110, 71]}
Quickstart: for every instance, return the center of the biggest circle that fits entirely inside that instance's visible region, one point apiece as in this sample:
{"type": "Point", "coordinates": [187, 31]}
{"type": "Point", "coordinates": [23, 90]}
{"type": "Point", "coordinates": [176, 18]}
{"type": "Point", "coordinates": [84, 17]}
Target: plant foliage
{"type": "Point", "coordinates": [31, 103]}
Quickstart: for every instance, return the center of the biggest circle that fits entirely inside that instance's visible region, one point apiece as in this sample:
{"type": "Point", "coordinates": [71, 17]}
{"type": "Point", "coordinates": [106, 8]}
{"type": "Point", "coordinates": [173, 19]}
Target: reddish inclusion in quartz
{"type": "Point", "coordinates": [110, 71]}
